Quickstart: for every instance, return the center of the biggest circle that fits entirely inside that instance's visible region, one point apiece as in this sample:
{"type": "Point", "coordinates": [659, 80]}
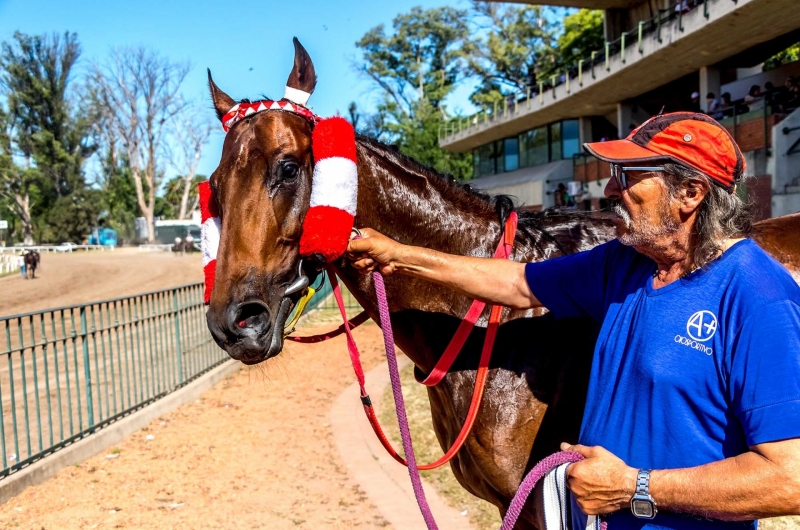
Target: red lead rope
{"type": "Point", "coordinates": [503, 251]}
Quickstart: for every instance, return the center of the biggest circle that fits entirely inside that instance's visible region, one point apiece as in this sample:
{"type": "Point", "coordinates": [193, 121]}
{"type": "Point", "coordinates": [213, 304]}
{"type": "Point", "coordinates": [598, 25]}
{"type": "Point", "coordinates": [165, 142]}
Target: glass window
{"type": "Point", "coordinates": [497, 156]}
{"type": "Point", "coordinates": [533, 147]}
{"type": "Point", "coordinates": [555, 141]}
{"type": "Point", "coordinates": [570, 138]}
{"type": "Point", "coordinates": [511, 149]}
{"type": "Point", "coordinates": [483, 160]}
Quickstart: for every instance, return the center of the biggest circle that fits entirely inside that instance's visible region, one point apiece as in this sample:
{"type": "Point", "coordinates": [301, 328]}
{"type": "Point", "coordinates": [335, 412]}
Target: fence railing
{"type": "Point", "coordinates": [8, 263]}
{"type": "Point", "coordinates": [67, 372]}
{"type": "Point", "coordinates": [631, 41]}
{"type": "Point", "coordinates": [55, 248]}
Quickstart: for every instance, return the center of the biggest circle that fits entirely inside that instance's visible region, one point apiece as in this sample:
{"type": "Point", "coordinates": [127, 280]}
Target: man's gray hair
{"type": "Point", "coordinates": [722, 215]}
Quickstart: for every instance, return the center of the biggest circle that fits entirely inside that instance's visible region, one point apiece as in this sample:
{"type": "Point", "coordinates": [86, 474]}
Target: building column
{"type": "Point", "coordinates": [624, 118]}
{"type": "Point", "coordinates": [709, 82]}
{"type": "Point", "coordinates": [585, 130]}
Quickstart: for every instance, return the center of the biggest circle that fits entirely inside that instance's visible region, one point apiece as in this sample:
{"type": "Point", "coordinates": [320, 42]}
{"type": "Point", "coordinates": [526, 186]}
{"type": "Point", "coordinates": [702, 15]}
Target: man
{"type": "Point", "coordinates": [695, 106]}
{"type": "Point", "coordinates": [693, 412]}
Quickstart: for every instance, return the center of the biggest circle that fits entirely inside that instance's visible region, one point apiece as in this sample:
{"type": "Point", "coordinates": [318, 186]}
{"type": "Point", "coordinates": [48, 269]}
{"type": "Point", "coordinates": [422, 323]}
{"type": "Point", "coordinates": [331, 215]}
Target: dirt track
{"type": "Point", "coordinates": [74, 278]}
{"type": "Point", "coordinates": [255, 452]}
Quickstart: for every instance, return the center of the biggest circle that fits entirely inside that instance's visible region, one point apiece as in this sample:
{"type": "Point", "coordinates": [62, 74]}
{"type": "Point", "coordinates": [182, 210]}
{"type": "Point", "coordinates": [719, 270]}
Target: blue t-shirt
{"type": "Point", "coordinates": [688, 374]}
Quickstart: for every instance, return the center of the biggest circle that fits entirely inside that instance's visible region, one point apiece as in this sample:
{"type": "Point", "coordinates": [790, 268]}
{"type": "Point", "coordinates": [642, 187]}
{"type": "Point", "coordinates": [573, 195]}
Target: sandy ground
{"type": "Point", "coordinates": [256, 451]}
{"type": "Point", "coordinates": [79, 277]}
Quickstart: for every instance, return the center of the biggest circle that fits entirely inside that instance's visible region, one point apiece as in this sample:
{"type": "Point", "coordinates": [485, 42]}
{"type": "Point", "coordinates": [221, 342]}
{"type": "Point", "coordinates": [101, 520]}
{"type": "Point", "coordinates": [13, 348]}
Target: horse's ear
{"type": "Point", "coordinates": [222, 101]}
{"type": "Point", "coordinates": [303, 76]}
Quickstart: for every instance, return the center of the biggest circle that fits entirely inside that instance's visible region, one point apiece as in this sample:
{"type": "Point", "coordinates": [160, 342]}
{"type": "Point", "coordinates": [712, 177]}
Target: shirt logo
{"type": "Point", "coordinates": [702, 326]}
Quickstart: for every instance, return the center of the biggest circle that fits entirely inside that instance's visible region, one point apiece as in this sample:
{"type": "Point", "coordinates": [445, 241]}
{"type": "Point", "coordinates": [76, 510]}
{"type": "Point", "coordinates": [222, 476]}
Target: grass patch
{"type": "Point", "coordinates": [481, 514]}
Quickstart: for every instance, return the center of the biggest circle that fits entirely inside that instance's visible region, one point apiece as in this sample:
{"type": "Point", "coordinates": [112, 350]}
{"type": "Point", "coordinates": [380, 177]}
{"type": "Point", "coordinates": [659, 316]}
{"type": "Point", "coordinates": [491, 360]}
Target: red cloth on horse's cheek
{"type": "Point", "coordinates": [209, 271]}
{"type": "Point", "coordinates": [334, 137]}
{"type": "Point", "coordinates": [326, 231]}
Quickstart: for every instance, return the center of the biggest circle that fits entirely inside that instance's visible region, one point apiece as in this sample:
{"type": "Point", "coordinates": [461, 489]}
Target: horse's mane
{"type": "Point", "coordinates": [531, 223]}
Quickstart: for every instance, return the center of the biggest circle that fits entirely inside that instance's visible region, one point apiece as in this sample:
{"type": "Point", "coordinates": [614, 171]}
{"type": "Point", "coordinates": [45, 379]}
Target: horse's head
{"type": "Point", "coordinates": [262, 187]}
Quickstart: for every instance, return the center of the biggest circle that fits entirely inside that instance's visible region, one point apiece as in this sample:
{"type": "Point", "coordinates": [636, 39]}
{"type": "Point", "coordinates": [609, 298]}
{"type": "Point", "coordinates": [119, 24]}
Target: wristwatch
{"type": "Point", "coordinates": [642, 504]}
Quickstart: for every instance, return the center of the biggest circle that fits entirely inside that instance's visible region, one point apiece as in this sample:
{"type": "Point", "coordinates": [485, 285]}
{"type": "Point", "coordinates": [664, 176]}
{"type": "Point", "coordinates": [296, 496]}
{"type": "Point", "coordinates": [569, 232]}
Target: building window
{"type": "Point", "coordinates": [497, 156]}
{"type": "Point", "coordinates": [533, 147]}
{"type": "Point", "coordinates": [555, 141]}
{"type": "Point", "coordinates": [570, 138]}
{"type": "Point", "coordinates": [511, 150]}
{"type": "Point", "coordinates": [483, 160]}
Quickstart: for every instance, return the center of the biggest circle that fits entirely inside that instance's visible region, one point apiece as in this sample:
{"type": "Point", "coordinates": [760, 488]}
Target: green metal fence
{"type": "Point", "coordinates": [67, 372]}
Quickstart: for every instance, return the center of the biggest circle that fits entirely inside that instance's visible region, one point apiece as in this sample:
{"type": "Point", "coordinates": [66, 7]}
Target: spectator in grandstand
{"type": "Point", "coordinates": [712, 103]}
{"type": "Point", "coordinates": [754, 99]}
{"type": "Point", "coordinates": [695, 106]}
{"type": "Point", "coordinates": [792, 95]}
{"type": "Point", "coordinates": [559, 194]}
{"type": "Point", "coordinates": [725, 107]}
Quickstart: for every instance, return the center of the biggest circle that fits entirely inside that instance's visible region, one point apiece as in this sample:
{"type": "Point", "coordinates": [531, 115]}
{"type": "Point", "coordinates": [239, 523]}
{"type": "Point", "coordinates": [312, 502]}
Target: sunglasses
{"type": "Point", "coordinates": [619, 173]}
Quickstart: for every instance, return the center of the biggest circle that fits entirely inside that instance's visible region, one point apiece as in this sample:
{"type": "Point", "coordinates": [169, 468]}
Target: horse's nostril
{"type": "Point", "coordinates": [251, 315]}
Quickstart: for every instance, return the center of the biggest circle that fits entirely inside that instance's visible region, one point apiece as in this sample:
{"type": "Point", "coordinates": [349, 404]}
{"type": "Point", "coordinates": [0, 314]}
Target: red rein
{"type": "Point", "coordinates": [504, 249]}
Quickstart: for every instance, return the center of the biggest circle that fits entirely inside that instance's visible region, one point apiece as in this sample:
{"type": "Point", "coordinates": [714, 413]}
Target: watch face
{"type": "Point", "coordinates": [642, 508]}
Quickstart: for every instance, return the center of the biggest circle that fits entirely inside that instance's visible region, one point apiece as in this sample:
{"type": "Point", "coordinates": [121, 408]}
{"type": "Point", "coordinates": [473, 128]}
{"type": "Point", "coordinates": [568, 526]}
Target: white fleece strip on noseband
{"type": "Point", "coordinates": [296, 96]}
{"type": "Point", "coordinates": [210, 239]}
{"type": "Point", "coordinates": [335, 184]}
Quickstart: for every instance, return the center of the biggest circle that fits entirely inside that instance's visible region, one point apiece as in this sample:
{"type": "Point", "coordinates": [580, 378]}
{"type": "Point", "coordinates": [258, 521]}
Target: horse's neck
{"type": "Point", "coordinates": [422, 209]}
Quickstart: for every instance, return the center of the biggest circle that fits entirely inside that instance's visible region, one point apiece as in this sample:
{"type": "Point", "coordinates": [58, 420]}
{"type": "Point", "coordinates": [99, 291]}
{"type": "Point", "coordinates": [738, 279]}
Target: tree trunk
{"type": "Point", "coordinates": [187, 186]}
{"type": "Point", "coordinates": [22, 203]}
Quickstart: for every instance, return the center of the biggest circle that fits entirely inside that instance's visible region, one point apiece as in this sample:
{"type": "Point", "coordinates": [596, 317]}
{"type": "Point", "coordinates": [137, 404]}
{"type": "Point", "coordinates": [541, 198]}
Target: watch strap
{"type": "Point", "coordinates": [643, 482]}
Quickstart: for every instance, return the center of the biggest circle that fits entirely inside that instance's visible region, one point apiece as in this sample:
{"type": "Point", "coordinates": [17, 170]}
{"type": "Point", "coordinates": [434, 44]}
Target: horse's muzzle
{"type": "Point", "coordinates": [247, 330]}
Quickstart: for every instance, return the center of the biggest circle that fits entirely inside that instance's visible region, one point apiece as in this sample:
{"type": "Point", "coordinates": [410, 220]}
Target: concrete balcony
{"type": "Point", "coordinates": [699, 38]}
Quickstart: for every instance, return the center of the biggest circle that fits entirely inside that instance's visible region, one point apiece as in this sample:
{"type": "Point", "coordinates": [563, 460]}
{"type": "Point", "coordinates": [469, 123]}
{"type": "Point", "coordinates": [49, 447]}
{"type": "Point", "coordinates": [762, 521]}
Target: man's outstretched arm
{"type": "Point", "coordinates": [494, 281]}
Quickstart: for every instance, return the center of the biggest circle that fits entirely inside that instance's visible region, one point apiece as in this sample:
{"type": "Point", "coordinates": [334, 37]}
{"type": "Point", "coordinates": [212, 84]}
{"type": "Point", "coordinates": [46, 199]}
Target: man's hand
{"type": "Point", "coordinates": [601, 483]}
{"type": "Point", "coordinates": [374, 250]}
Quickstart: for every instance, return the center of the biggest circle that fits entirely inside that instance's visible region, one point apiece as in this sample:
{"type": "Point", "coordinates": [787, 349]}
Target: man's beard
{"type": "Point", "coordinates": [642, 233]}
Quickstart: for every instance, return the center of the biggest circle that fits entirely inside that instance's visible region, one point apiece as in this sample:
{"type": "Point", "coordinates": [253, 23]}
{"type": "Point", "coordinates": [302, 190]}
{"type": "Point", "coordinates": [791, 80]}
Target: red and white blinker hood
{"type": "Point", "coordinates": [334, 185]}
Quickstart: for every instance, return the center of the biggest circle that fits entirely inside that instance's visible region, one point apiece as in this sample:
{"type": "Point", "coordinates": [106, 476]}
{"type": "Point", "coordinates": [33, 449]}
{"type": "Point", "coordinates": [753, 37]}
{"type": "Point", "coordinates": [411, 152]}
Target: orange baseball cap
{"type": "Point", "coordinates": [691, 139]}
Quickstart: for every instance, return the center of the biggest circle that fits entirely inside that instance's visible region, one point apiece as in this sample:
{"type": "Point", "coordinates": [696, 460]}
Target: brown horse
{"type": "Point", "coordinates": [536, 388]}
{"type": "Point", "coordinates": [31, 263]}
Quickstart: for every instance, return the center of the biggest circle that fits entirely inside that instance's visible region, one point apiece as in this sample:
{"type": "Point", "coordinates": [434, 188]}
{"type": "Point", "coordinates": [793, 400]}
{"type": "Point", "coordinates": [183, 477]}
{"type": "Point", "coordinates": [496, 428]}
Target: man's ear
{"type": "Point", "coordinates": [692, 194]}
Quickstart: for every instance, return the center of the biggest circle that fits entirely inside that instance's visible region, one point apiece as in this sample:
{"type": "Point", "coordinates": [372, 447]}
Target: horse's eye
{"type": "Point", "coordinates": [289, 171]}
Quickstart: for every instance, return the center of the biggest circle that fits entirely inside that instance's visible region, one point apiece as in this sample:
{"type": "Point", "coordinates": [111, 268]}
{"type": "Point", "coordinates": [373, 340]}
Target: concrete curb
{"type": "Point", "coordinates": [385, 481]}
{"type": "Point", "coordinates": [81, 450]}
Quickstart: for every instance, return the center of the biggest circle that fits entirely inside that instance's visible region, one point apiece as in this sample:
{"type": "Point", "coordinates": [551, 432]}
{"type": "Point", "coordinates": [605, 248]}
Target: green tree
{"type": "Point", "coordinates": [789, 55]}
{"type": "Point", "coordinates": [520, 46]}
{"type": "Point", "coordinates": [52, 135]}
{"type": "Point", "coordinates": [416, 67]}
{"type": "Point", "coordinates": [515, 47]}
{"type": "Point", "coordinates": [174, 190]}
{"type": "Point", "coordinates": [582, 34]}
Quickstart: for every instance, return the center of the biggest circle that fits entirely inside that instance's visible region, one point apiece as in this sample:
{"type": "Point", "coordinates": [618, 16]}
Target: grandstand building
{"type": "Point", "coordinates": [658, 54]}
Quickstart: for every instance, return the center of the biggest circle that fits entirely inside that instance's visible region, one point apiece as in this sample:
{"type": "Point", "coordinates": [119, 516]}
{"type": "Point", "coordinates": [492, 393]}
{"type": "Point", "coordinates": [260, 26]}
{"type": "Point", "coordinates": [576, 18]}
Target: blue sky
{"type": "Point", "coordinates": [247, 44]}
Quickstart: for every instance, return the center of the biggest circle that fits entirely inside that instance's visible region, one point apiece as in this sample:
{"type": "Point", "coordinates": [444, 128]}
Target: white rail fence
{"type": "Point", "coordinates": [8, 263]}
{"type": "Point", "coordinates": [55, 248]}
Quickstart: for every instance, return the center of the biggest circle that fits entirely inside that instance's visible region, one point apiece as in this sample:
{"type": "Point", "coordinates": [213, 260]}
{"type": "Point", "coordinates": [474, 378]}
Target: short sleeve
{"type": "Point", "coordinates": [765, 373]}
{"type": "Point", "coordinates": [572, 286]}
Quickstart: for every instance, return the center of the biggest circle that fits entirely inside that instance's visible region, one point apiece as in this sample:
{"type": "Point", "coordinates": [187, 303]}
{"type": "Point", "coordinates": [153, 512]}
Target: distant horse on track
{"type": "Point", "coordinates": [536, 388]}
{"type": "Point", "coordinates": [32, 259]}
